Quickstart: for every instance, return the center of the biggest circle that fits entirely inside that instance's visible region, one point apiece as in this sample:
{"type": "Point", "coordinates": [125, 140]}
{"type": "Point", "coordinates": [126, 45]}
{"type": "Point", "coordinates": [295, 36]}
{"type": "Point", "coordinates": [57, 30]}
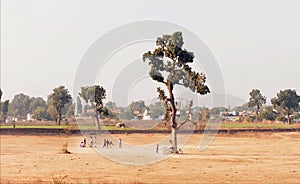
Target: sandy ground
{"type": "Point", "coordinates": [238, 158]}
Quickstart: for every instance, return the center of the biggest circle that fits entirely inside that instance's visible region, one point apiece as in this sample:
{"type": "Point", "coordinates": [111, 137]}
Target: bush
{"type": "Point", "coordinates": [267, 114]}
{"type": "Point", "coordinates": [281, 118]}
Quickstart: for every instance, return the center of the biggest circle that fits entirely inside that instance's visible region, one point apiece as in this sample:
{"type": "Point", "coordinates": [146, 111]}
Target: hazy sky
{"type": "Point", "coordinates": [256, 43]}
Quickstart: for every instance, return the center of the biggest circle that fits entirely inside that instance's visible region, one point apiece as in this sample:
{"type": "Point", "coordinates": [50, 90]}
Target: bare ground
{"type": "Point", "coordinates": [238, 158]}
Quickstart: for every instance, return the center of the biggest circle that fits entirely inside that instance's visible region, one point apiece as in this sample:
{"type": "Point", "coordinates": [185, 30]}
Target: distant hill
{"type": "Point", "coordinates": [217, 100]}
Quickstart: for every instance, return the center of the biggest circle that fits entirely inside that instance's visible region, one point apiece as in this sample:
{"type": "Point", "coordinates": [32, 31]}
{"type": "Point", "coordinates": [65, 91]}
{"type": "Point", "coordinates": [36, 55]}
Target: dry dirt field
{"type": "Point", "coordinates": [238, 158]}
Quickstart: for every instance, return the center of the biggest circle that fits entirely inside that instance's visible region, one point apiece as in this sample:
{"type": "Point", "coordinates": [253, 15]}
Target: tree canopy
{"type": "Point", "coordinates": [19, 106]}
{"type": "Point", "coordinates": [256, 100]}
{"type": "Point", "coordinates": [58, 99]}
{"type": "Point", "coordinates": [288, 100]}
{"type": "Point", "coordinates": [94, 95]}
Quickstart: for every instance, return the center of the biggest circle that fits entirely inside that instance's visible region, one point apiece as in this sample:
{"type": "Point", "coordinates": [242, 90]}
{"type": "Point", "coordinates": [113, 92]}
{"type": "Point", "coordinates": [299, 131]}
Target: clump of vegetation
{"type": "Point", "coordinates": [65, 148]}
{"type": "Point", "coordinates": [60, 180]}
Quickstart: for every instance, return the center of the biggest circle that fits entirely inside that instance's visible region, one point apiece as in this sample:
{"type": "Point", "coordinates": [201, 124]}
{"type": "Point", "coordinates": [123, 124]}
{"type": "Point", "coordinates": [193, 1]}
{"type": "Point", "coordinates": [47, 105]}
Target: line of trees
{"type": "Point", "coordinates": [285, 107]}
{"type": "Point", "coordinates": [169, 66]}
{"type": "Point", "coordinates": [58, 103]}
{"type": "Point", "coordinates": [286, 102]}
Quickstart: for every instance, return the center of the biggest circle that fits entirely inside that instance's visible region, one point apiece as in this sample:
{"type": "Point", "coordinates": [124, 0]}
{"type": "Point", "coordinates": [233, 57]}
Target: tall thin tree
{"type": "Point", "coordinates": [169, 65]}
{"type": "Point", "coordinates": [256, 100]}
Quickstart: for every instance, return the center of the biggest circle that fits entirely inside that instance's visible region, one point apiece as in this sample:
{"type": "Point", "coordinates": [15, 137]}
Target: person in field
{"type": "Point", "coordinates": [110, 144]}
{"type": "Point", "coordinates": [95, 141]}
{"type": "Point", "coordinates": [91, 141]}
{"type": "Point", "coordinates": [84, 142]}
{"type": "Point", "coordinates": [104, 143]}
{"type": "Point", "coordinates": [120, 143]}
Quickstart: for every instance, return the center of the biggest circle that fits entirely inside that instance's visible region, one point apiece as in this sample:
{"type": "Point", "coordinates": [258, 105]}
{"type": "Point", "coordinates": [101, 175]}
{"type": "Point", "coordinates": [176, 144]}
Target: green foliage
{"type": "Point", "coordinates": [267, 114]}
{"type": "Point", "coordinates": [157, 109]}
{"type": "Point", "coordinates": [138, 106]}
{"type": "Point", "coordinates": [169, 64]}
{"type": "Point", "coordinates": [94, 95]}
{"type": "Point", "coordinates": [40, 113]}
{"type": "Point", "coordinates": [58, 99]}
{"type": "Point", "coordinates": [169, 57]}
{"type": "Point", "coordinates": [19, 106]}
{"type": "Point", "coordinates": [4, 109]}
{"type": "Point", "coordinates": [127, 114]}
{"type": "Point", "coordinates": [256, 99]}
{"type": "Point", "coordinates": [68, 109]}
{"type": "Point", "coordinates": [282, 118]}
{"type": "Point", "coordinates": [287, 100]}
{"type": "Point", "coordinates": [35, 103]}
{"type": "Point", "coordinates": [52, 112]}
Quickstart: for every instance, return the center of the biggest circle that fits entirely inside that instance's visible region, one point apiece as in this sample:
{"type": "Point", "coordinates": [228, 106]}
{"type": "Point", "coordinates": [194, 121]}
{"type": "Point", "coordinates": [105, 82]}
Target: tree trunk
{"type": "Point", "coordinates": [174, 137]}
{"type": "Point", "coordinates": [256, 112]}
{"type": "Point", "coordinates": [58, 118]}
{"type": "Point", "coordinates": [173, 117]}
{"type": "Point", "coordinates": [97, 120]}
{"type": "Point", "coordinates": [289, 118]}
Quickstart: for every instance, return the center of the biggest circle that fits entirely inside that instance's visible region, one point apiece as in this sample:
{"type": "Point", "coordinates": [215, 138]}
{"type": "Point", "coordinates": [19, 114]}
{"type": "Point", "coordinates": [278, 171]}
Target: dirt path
{"type": "Point", "coordinates": [239, 158]}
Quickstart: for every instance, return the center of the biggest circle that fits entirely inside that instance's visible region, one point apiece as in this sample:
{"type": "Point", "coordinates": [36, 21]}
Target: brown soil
{"type": "Point", "coordinates": [238, 158]}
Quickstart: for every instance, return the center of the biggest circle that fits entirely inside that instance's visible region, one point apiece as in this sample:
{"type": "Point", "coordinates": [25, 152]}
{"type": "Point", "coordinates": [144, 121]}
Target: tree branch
{"type": "Point", "coordinates": [188, 116]}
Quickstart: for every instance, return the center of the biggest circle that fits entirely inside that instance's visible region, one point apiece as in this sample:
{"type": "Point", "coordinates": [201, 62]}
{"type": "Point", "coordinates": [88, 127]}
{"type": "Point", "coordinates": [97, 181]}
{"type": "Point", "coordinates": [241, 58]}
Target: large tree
{"type": "Point", "coordinates": [169, 65]}
{"type": "Point", "coordinates": [58, 99]}
{"type": "Point", "coordinates": [256, 100]}
{"type": "Point", "coordinates": [19, 106]}
{"type": "Point", "coordinates": [94, 95]}
{"type": "Point", "coordinates": [288, 100]}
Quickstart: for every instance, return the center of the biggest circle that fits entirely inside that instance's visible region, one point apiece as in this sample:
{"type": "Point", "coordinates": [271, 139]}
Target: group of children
{"type": "Point", "coordinates": [91, 144]}
{"type": "Point", "coordinates": [107, 143]}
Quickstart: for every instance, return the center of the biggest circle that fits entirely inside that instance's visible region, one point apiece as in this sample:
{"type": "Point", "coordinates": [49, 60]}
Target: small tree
{"type": "Point", "coordinates": [94, 95]}
{"type": "Point", "coordinates": [256, 100]}
{"type": "Point", "coordinates": [288, 100]}
{"type": "Point", "coordinates": [169, 66]}
{"type": "Point", "coordinates": [58, 99]}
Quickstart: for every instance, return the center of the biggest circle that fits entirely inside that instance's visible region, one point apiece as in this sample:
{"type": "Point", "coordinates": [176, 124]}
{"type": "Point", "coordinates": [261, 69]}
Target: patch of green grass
{"type": "Point", "coordinates": [35, 126]}
{"type": "Point", "coordinates": [259, 125]}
